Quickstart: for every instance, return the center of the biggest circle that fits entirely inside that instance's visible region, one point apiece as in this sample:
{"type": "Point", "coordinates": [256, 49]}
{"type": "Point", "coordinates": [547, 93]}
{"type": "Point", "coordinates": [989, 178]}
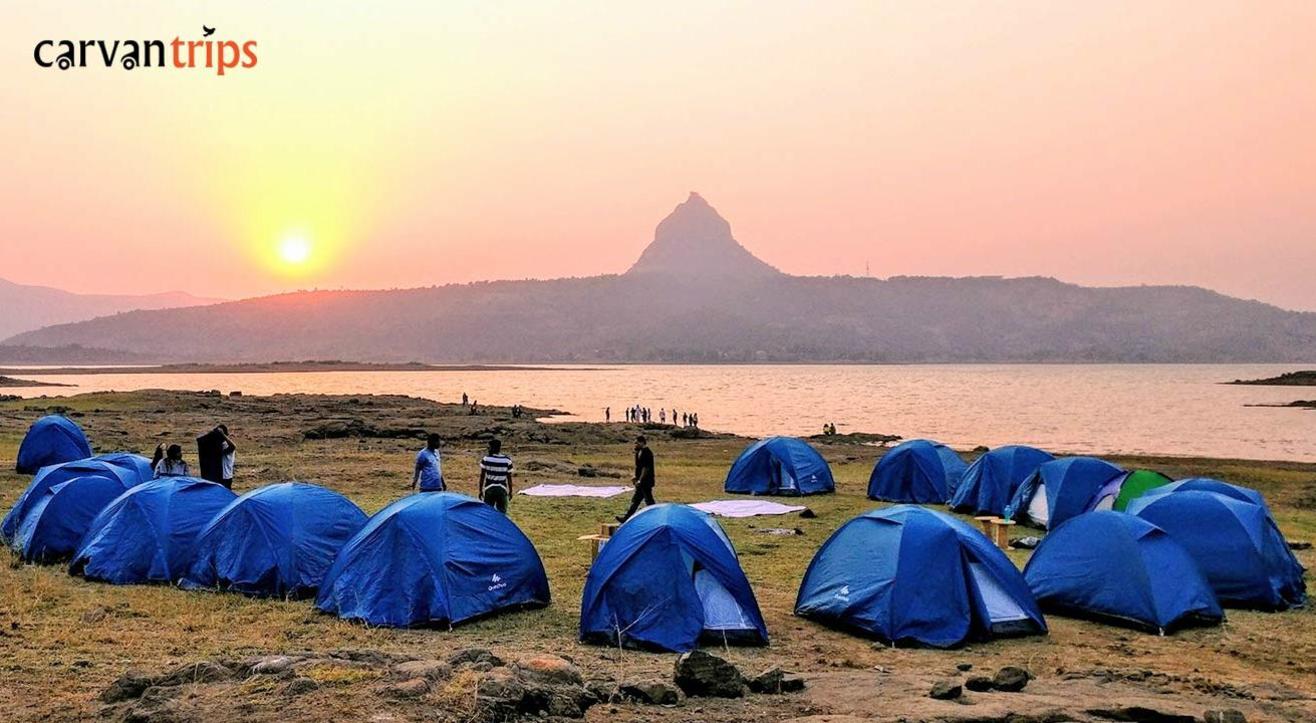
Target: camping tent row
{"type": "Point", "coordinates": [1017, 481]}
{"type": "Point", "coordinates": [463, 560]}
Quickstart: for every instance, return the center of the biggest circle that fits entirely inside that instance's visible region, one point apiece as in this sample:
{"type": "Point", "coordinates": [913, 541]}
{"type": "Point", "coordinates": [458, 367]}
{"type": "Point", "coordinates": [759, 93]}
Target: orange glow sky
{"type": "Point", "coordinates": [1100, 142]}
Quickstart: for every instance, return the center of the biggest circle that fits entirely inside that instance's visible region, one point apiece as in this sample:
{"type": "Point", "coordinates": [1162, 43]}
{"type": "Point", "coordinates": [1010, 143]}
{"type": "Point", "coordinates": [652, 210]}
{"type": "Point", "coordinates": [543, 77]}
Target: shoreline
{"type": "Point", "coordinates": [277, 368]}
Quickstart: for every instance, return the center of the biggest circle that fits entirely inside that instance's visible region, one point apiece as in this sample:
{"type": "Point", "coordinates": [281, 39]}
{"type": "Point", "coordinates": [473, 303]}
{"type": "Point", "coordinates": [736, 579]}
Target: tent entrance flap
{"type": "Point", "coordinates": [1003, 612]}
{"type": "Point", "coordinates": [1037, 510]}
{"type": "Point", "coordinates": [721, 611]}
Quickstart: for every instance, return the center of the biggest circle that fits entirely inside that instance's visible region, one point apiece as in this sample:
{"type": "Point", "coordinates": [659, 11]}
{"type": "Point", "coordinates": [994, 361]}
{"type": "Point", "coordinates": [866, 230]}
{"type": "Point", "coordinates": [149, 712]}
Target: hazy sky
{"type": "Point", "coordinates": [415, 144]}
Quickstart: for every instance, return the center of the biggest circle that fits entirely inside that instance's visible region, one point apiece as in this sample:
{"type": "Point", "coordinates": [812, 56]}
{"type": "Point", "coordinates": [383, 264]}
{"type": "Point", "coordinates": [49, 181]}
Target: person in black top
{"type": "Point", "coordinates": [643, 478]}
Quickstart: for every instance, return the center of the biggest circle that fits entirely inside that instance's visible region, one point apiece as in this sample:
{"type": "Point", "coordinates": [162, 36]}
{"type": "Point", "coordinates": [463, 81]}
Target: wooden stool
{"type": "Point", "coordinates": [595, 542]}
{"type": "Point", "coordinates": [985, 523]}
{"type": "Point", "coordinates": [1001, 533]}
{"type": "Point", "coordinates": [608, 529]}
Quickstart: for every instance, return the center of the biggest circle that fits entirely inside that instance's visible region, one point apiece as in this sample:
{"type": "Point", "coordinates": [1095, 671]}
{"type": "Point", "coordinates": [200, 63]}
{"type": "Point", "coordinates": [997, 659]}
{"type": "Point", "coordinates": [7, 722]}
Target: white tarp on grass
{"type": "Point", "coordinates": [573, 491]}
{"type": "Point", "coordinates": [746, 508]}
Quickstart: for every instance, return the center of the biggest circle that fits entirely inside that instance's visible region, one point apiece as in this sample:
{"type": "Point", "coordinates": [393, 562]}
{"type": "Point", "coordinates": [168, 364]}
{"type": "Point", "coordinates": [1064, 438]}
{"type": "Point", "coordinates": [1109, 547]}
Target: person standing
{"type": "Point", "coordinates": [465, 399]}
{"type": "Point", "coordinates": [662, 415]}
{"type": "Point", "coordinates": [644, 478]}
{"type": "Point", "coordinates": [429, 467]}
{"type": "Point", "coordinates": [496, 477]}
{"type": "Point", "coordinates": [228, 456]}
{"type": "Point", "coordinates": [607, 414]}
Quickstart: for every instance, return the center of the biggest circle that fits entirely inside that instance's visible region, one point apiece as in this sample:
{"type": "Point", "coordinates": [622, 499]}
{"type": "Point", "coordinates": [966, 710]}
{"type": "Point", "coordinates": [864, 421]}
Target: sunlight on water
{"type": "Point", "coordinates": [1155, 409]}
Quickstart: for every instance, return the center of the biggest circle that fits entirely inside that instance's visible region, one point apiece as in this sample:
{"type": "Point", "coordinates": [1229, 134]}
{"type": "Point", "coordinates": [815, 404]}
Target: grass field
{"type": "Point", "coordinates": [63, 640]}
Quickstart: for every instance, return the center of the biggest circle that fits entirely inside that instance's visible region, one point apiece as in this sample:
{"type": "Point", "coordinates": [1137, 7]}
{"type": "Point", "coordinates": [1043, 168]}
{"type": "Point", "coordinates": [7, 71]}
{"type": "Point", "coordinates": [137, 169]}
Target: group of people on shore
{"type": "Point", "coordinates": [644, 415]}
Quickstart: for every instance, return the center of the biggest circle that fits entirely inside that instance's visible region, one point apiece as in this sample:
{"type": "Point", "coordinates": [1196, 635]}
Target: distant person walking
{"type": "Point", "coordinates": [428, 475]}
{"type": "Point", "coordinates": [607, 414]}
{"type": "Point", "coordinates": [496, 477]}
{"type": "Point", "coordinates": [662, 416]}
{"type": "Point", "coordinates": [170, 463]}
{"type": "Point", "coordinates": [644, 478]}
{"type": "Point", "coordinates": [465, 399]}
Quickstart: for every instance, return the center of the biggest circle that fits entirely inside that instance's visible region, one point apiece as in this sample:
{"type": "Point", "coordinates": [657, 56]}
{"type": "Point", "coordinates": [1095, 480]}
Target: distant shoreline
{"type": "Point", "coordinates": [1305, 378]}
{"type": "Point", "coordinates": [277, 367]}
{"type": "Point", "coordinates": [12, 382]}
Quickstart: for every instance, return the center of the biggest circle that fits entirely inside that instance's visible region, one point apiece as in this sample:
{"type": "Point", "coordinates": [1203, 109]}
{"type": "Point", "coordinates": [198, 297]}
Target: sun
{"type": "Point", "coordinates": [295, 250]}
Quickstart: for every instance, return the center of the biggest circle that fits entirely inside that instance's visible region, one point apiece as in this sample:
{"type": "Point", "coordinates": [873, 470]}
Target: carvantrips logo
{"type": "Point", "coordinates": [219, 55]}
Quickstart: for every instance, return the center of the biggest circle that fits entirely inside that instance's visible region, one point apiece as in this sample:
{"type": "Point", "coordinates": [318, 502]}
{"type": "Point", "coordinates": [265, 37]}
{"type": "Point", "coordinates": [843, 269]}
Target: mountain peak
{"type": "Point", "coordinates": [695, 241]}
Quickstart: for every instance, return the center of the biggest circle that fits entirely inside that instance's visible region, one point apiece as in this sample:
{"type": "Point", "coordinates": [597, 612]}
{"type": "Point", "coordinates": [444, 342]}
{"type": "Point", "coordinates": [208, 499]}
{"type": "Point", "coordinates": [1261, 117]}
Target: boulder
{"type": "Point", "coordinates": [652, 692]}
{"type": "Point", "coordinates": [945, 690]}
{"type": "Point", "coordinates": [698, 673]}
{"type": "Point", "coordinates": [979, 683]}
{"type": "Point", "coordinates": [1010, 679]}
{"type": "Point", "coordinates": [964, 667]}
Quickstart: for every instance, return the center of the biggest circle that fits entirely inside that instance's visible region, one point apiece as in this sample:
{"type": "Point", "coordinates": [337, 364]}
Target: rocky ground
{"type": "Point", "coordinates": [72, 650]}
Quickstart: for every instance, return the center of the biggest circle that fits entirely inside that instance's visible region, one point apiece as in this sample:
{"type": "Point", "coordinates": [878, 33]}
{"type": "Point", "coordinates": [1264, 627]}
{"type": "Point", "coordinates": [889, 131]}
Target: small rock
{"type": "Point", "coordinates": [964, 667]}
{"type": "Point", "coordinates": [413, 688]}
{"type": "Point", "coordinates": [472, 656]}
{"type": "Point", "coordinates": [551, 669]}
{"type": "Point", "coordinates": [775, 680]}
{"type": "Point", "coordinates": [945, 690]}
{"type": "Point", "coordinates": [1010, 679]}
{"type": "Point", "coordinates": [95, 615]}
{"type": "Point", "coordinates": [273, 665]}
{"type": "Point", "coordinates": [651, 692]}
{"type": "Point", "coordinates": [128, 686]}
{"type": "Point", "coordinates": [301, 686]}
{"type": "Point", "coordinates": [1140, 714]}
{"type": "Point", "coordinates": [1224, 716]}
{"type": "Point", "coordinates": [427, 669]}
{"type": "Point", "coordinates": [603, 690]}
{"type": "Point", "coordinates": [979, 683]}
{"type": "Point", "coordinates": [700, 673]}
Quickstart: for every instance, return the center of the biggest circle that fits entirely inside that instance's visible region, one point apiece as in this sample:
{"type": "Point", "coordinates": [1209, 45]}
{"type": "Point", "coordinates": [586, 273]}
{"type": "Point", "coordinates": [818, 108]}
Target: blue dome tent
{"type": "Point", "coordinates": [146, 534]}
{"type": "Point", "coordinates": [134, 463]}
{"type": "Point", "coordinates": [917, 471]}
{"type": "Point", "coordinates": [1206, 484]}
{"type": "Point", "coordinates": [53, 475]}
{"type": "Point", "coordinates": [1061, 489]}
{"type": "Point", "coordinates": [51, 440]}
{"type": "Point", "coordinates": [1114, 567]}
{"type": "Point", "coordinates": [780, 466]}
{"type": "Point", "coordinates": [910, 575]}
{"type": "Point", "coordinates": [666, 580]}
{"type": "Point", "coordinates": [434, 558]}
{"type": "Point", "coordinates": [59, 518]}
{"type": "Point", "coordinates": [992, 479]}
{"type": "Point", "coordinates": [1236, 544]}
{"type": "Point", "coordinates": [278, 541]}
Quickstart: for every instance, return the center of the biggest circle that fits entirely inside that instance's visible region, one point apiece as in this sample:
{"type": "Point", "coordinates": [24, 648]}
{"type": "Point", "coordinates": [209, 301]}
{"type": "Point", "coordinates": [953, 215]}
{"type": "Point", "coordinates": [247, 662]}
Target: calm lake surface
{"type": "Point", "coordinates": [1156, 409]}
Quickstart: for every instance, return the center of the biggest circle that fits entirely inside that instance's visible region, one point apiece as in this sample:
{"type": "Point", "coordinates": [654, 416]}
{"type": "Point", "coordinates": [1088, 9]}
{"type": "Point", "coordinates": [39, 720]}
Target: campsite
{"type": "Point", "coordinates": [66, 640]}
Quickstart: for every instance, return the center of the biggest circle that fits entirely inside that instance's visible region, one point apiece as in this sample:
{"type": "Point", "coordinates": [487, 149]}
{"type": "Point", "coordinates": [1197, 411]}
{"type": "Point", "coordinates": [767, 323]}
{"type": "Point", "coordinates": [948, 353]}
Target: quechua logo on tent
{"type": "Point", "coordinates": [206, 52]}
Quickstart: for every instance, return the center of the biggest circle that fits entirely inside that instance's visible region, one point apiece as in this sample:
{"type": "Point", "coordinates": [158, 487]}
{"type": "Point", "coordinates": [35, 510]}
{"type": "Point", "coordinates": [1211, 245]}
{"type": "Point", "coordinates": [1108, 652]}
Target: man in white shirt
{"type": "Point", "coordinates": [229, 452]}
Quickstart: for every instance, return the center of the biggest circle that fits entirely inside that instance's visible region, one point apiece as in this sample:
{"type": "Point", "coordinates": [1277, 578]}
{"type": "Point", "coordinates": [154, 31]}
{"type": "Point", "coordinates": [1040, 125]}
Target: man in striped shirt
{"type": "Point", "coordinates": [496, 477]}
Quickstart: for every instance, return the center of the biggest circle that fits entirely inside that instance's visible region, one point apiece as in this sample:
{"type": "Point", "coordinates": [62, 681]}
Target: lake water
{"type": "Point", "coordinates": [1155, 409]}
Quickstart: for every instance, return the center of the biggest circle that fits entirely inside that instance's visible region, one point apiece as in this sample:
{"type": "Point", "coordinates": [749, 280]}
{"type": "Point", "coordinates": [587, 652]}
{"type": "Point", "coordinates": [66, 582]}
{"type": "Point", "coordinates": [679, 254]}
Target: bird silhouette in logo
{"type": "Point", "coordinates": [207, 32]}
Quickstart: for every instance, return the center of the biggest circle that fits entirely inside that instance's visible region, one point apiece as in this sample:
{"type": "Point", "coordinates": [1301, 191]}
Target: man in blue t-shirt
{"type": "Point", "coordinates": [429, 467]}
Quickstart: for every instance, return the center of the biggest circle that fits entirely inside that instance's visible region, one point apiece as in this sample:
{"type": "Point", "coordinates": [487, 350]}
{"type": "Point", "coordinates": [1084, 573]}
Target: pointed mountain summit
{"type": "Point", "coordinates": [695, 241]}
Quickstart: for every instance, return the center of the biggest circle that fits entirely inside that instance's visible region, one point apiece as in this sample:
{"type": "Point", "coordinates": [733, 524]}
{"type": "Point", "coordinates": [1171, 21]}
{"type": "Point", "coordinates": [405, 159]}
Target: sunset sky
{"type": "Point", "coordinates": [381, 145]}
